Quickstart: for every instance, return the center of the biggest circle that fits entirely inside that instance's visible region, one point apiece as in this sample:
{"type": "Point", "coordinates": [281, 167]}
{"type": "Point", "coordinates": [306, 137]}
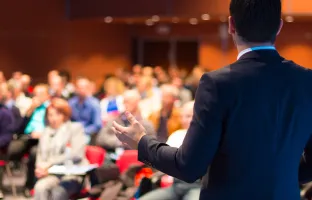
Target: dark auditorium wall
{"type": "Point", "coordinates": [36, 36]}
{"type": "Point", "coordinates": [294, 42]}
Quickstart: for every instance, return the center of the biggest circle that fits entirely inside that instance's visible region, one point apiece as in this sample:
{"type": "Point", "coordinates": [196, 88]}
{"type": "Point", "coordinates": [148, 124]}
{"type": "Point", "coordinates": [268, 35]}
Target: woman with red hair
{"type": "Point", "coordinates": [59, 133]}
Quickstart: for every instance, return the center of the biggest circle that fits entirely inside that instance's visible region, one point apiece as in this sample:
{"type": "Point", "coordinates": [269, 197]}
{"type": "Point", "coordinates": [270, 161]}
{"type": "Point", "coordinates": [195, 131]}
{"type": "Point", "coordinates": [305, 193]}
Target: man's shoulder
{"type": "Point", "coordinates": [73, 100]}
{"type": "Point", "coordinates": [93, 101]}
{"type": "Point", "coordinates": [5, 112]}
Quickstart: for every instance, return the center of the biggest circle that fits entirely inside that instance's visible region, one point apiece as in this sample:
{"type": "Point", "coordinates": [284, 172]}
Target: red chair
{"type": "Point", "coordinates": [95, 155]}
{"type": "Point", "coordinates": [129, 157]}
{"type": "Point", "coordinates": [166, 181]}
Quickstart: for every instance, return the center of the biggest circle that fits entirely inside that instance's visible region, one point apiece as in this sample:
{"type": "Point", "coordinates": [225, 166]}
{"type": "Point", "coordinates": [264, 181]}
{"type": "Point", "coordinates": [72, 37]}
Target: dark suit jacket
{"type": "Point", "coordinates": [252, 120]}
{"type": "Point", "coordinates": [6, 120]}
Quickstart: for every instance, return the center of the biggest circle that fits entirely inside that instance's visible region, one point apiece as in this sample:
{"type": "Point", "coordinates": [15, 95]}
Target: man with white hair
{"type": "Point", "coordinates": [167, 120]}
{"type": "Point", "coordinates": [57, 88]}
{"type": "Point", "coordinates": [106, 138]}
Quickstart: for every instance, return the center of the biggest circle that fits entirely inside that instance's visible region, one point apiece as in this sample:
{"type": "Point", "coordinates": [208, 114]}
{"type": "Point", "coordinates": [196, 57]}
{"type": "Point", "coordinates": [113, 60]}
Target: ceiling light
{"type": "Point", "coordinates": [155, 18]}
{"type": "Point", "coordinates": [205, 17]}
{"type": "Point", "coordinates": [149, 22]}
{"type": "Point", "coordinates": [175, 20]}
{"type": "Point", "coordinates": [193, 21]}
{"type": "Point", "coordinates": [289, 19]}
{"type": "Point", "coordinates": [108, 19]}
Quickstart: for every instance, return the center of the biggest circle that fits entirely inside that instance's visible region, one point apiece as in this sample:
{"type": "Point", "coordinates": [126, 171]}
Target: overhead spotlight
{"type": "Point", "coordinates": [205, 17]}
{"type": "Point", "coordinates": [193, 21]}
{"type": "Point", "coordinates": [175, 20]}
{"type": "Point", "coordinates": [108, 19]}
{"type": "Point", "coordinates": [289, 19]}
{"type": "Point", "coordinates": [155, 18]}
{"type": "Point", "coordinates": [149, 22]}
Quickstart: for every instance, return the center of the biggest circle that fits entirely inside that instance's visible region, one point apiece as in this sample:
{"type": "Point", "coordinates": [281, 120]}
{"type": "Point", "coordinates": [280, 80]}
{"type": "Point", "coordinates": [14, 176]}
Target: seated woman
{"type": "Point", "coordinates": [179, 190]}
{"type": "Point", "coordinates": [53, 150]}
{"type": "Point", "coordinates": [112, 104]}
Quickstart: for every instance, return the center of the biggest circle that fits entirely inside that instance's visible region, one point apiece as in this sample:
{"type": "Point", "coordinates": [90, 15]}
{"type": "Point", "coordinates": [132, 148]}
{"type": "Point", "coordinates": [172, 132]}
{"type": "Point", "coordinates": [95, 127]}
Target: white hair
{"type": "Point", "coordinates": [132, 93]}
{"type": "Point", "coordinates": [171, 89]}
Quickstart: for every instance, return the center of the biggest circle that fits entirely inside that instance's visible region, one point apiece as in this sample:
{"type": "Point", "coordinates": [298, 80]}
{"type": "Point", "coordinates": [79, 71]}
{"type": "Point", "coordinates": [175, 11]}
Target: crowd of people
{"type": "Point", "coordinates": [42, 120]}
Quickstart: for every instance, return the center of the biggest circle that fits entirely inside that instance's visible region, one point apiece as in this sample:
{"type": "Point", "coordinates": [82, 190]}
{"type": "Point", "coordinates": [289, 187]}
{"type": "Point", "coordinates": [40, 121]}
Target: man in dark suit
{"type": "Point", "coordinates": [252, 119]}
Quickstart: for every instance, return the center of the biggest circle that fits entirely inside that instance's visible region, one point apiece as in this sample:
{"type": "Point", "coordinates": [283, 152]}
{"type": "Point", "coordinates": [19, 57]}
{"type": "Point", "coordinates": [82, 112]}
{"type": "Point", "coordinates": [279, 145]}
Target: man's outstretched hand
{"type": "Point", "coordinates": [131, 135]}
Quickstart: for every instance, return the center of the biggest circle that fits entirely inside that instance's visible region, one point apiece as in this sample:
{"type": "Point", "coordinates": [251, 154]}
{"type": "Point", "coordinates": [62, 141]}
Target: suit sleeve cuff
{"type": "Point", "coordinates": [143, 149]}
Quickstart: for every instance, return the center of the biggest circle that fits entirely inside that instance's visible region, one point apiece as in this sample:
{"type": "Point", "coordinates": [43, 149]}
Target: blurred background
{"type": "Point", "coordinates": [69, 68]}
{"type": "Point", "coordinates": [93, 37]}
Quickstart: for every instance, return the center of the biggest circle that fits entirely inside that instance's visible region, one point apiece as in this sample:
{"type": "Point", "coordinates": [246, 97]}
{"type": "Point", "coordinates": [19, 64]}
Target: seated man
{"type": "Point", "coordinates": [86, 109]}
{"type": "Point", "coordinates": [6, 120]}
{"type": "Point", "coordinates": [106, 138]}
{"type": "Point", "coordinates": [179, 189]}
{"type": "Point", "coordinates": [7, 99]}
{"type": "Point", "coordinates": [35, 124]}
{"type": "Point", "coordinates": [167, 120]}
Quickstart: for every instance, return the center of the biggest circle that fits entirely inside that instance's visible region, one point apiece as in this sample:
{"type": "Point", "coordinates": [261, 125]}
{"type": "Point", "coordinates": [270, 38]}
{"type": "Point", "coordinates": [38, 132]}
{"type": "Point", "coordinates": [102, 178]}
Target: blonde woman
{"type": "Point", "coordinates": [112, 104]}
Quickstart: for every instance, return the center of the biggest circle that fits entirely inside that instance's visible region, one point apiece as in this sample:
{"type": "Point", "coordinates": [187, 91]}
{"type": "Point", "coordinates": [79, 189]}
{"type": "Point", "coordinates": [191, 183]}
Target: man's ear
{"type": "Point", "coordinates": [280, 28]}
{"type": "Point", "coordinates": [231, 25]}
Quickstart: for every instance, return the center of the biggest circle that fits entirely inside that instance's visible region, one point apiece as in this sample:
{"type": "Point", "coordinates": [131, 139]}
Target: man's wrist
{"type": "Point", "coordinates": [140, 137]}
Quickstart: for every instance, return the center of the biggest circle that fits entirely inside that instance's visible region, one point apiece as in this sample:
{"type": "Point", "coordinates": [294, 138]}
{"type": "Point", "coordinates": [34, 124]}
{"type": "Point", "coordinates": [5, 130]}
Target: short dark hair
{"type": "Point", "coordinates": [256, 21]}
{"type": "Point", "coordinates": [65, 74]}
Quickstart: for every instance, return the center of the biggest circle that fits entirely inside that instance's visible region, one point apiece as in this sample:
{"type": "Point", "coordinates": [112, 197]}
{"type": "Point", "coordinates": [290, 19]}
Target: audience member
{"type": "Point", "coordinates": [26, 84]}
{"type": "Point", "coordinates": [57, 88]}
{"type": "Point", "coordinates": [86, 109]}
{"type": "Point", "coordinates": [179, 190]}
{"type": "Point", "coordinates": [5, 138]}
{"type": "Point", "coordinates": [51, 74]}
{"type": "Point", "coordinates": [53, 150]}
{"type": "Point", "coordinates": [16, 77]}
{"type": "Point", "coordinates": [112, 104]}
{"type": "Point", "coordinates": [22, 102]}
{"type": "Point", "coordinates": [66, 77]}
{"type": "Point", "coordinates": [2, 77]}
{"type": "Point", "coordinates": [34, 128]}
{"type": "Point", "coordinates": [167, 120]}
{"type": "Point", "coordinates": [151, 96]}
{"type": "Point", "coordinates": [107, 138]}
{"type": "Point", "coordinates": [37, 111]}
{"type": "Point", "coordinates": [7, 99]}
{"type": "Point", "coordinates": [185, 95]}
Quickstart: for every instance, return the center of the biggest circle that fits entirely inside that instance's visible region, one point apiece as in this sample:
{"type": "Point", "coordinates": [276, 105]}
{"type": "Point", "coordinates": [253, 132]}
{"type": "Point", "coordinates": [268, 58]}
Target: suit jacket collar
{"type": "Point", "coordinates": [262, 55]}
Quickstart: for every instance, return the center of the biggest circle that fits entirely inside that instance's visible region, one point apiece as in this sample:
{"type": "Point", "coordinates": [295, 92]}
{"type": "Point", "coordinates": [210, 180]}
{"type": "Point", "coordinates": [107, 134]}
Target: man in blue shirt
{"type": "Point", "coordinates": [86, 108]}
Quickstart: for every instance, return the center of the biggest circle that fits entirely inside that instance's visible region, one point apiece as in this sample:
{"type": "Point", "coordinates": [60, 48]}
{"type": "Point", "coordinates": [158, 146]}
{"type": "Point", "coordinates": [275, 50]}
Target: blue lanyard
{"type": "Point", "coordinates": [255, 49]}
{"type": "Point", "coordinates": [262, 48]}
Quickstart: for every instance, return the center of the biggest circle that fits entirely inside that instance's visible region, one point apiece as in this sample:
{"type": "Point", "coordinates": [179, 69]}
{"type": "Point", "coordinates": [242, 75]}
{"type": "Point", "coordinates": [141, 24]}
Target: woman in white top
{"type": "Point", "coordinates": [179, 189]}
{"type": "Point", "coordinates": [112, 104]}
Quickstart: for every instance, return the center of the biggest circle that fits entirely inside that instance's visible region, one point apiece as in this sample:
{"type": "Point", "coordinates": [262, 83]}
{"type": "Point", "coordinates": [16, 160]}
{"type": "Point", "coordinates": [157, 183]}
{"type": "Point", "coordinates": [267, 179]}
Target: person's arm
{"type": "Point", "coordinates": [107, 138]}
{"type": "Point", "coordinates": [96, 125]}
{"type": "Point", "coordinates": [305, 167]}
{"type": "Point", "coordinates": [39, 160]}
{"type": "Point", "coordinates": [191, 160]}
{"type": "Point", "coordinates": [150, 130]}
{"type": "Point", "coordinates": [18, 125]}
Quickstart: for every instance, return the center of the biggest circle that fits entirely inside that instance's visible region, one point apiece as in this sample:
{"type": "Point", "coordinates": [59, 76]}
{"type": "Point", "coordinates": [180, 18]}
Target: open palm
{"type": "Point", "coordinates": [129, 135]}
